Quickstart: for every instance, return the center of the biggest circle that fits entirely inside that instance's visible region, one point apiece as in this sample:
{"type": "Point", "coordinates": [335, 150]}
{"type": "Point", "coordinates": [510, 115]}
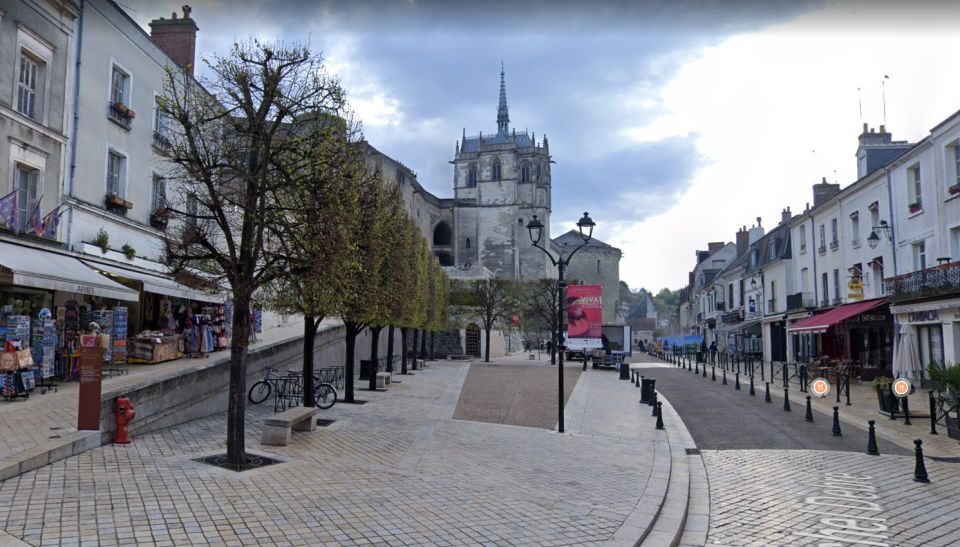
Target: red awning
{"type": "Point", "coordinates": [820, 323]}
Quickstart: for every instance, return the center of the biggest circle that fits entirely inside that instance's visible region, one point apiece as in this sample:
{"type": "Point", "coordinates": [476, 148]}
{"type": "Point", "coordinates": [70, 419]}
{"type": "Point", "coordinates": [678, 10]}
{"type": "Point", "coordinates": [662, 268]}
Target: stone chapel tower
{"type": "Point", "coordinates": [500, 180]}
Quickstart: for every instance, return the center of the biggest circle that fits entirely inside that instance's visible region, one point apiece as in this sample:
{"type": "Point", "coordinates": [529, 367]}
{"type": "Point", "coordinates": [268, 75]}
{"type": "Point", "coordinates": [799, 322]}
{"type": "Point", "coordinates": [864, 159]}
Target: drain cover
{"type": "Point", "coordinates": [324, 423]}
{"type": "Point", "coordinates": [692, 451]}
{"type": "Point", "coordinates": [252, 461]}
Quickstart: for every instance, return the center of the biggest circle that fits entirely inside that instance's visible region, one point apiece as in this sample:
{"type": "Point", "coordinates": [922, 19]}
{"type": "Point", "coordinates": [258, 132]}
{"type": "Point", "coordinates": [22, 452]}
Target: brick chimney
{"type": "Point", "coordinates": [823, 192]}
{"type": "Point", "coordinates": [785, 216]}
{"type": "Point", "coordinates": [177, 38]}
{"type": "Point", "coordinates": [743, 241]}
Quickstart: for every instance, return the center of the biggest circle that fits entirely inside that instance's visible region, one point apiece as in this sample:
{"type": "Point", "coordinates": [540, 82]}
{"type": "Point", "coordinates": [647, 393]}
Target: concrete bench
{"type": "Point", "coordinates": [276, 428]}
{"type": "Point", "coordinates": [383, 380]}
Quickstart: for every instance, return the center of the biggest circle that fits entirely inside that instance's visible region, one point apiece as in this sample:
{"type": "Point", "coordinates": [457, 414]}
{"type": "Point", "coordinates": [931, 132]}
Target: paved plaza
{"type": "Point", "coordinates": [397, 470]}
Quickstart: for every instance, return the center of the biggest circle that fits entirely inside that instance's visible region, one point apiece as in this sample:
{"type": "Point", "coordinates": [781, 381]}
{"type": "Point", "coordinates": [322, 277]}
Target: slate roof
{"type": "Point", "coordinates": [472, 144]}
{"type": "Point", "coordinates": [571, 240]}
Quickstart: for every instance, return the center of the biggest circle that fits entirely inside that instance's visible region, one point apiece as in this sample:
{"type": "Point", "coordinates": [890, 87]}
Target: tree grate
{"type": "Point", "coordinates": [323, 422]}
{"type": "Point", "coordinates": [692, 451]}
{"type": "Point", "coordinates": [252, 461]}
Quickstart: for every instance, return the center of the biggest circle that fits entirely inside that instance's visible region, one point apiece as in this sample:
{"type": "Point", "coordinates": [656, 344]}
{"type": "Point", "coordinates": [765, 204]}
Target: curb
{"type": "Point", "coordinates": [38, 456]}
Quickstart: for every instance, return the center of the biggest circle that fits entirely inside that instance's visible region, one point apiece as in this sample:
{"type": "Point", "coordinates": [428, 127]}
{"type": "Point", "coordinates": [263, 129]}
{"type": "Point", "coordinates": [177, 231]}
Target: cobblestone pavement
{"type": "Point", "coordinates": [395, 471]}
{"type": "Point", "coordinates": [763, 497]}
{"type": "Point", "coordinates": [502, 392]}
{"type": "Point", "coordinates": [25, 423]}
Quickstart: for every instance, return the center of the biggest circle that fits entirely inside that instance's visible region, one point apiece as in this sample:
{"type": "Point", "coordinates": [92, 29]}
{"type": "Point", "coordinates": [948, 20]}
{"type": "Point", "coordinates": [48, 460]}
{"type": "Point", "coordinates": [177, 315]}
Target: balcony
{"type": "Point", "coordinates": [800, 301]}
{"type": "Point", "coordinates": [772, 306]}
{"type": "Point", "coordinates": [930, 283]}
{"type": "Point", "coordinates": [824, 303]}
{"type": "Point", "coordinates": [731, 318]}
{"type": "Point", "coordinates": [822, 249]}
{"type": "Point", "coordinates": [834, 245]}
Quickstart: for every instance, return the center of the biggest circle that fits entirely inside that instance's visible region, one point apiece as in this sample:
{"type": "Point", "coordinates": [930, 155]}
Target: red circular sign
{"type": "Point", "coordinates": [820, 387]}
{"type": "Point", "coordinates": [901, 388]}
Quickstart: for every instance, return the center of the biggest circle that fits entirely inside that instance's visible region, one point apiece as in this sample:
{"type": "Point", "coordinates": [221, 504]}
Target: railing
{"type": "Point", "coordinates": [822, 249]}
{"type": "Point", "coordinates": [160, 140]}
{"type": "Point", "coordinates": [731, 318]}
{"type": "Point", "coordinates": [836, 301]}
{"type": "Point", "coordinates": [800, 301]}
{"type": "Point", "coordinates": [931, 282]}
{"type": "Point", "coordinates": [834, 245]}
{"type": "Point", "coordinates": [824, 303]}
{"type": "Point", "coordinates": [721, 306]}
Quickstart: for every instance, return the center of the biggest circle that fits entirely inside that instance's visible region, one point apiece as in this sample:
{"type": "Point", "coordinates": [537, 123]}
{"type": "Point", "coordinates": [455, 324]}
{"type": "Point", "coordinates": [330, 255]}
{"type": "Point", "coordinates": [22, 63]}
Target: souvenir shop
{"type": "Point", "coordinates": [48, 301]}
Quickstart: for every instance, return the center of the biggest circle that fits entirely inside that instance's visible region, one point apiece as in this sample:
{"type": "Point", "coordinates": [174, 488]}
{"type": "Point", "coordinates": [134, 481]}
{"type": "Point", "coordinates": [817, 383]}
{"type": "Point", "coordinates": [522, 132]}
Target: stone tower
{"type": "Point", "coordinates": [500, 181]}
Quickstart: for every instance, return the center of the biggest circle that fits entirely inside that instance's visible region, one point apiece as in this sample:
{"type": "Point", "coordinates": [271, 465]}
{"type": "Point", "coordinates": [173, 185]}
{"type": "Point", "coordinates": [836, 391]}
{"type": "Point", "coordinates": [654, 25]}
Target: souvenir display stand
{"type": "Point", "coordinates": [153, 347]}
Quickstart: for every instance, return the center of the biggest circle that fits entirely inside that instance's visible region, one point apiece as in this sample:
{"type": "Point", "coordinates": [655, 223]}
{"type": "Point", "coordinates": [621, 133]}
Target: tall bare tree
{"type": "Point", "coordinates": [538, 300]}
{"type": "Point", "coordinates": [490, 300]}
{"type": "Point", "coordinates": [240, 140]}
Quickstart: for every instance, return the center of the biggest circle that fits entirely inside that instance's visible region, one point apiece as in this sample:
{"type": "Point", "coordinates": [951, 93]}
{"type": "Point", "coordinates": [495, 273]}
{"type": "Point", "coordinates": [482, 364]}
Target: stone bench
{"type": "Point", "coordinates": [276, 428]}
{"type": "Point", "coordinates": [383, 380]}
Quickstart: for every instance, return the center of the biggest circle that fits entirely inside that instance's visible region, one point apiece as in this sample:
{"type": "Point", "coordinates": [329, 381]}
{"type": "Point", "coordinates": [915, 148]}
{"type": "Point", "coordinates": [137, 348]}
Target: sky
{"type": "Point", "coordinates": [672, 122]}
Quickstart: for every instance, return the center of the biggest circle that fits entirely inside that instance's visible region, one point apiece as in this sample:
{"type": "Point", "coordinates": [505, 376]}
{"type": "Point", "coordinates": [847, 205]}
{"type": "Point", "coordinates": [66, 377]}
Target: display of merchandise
{"type": "Point", "coordinates": [43, 346]}
{"type": "Point", "coordinates": [118, 335]}
{"type": "Point", "coordinates": [228, 319]}
{"type": "Point", "coordinates": [104, 318]}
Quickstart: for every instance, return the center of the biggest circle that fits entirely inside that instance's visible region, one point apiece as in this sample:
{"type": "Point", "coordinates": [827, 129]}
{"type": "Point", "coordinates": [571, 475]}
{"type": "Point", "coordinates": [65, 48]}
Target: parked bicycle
{"type": "Point", "coordinates": [325, 395]}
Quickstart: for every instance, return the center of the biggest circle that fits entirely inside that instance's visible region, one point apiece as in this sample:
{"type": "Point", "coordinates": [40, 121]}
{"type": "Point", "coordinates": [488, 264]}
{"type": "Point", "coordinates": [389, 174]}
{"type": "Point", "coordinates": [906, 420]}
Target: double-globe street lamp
{"type": "Point", "coordinates": [535, 227]}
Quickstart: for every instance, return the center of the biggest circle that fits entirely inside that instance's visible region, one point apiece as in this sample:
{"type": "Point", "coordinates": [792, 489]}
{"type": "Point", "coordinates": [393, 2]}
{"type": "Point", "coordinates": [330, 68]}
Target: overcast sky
{"type": "Point", "coordinates": [673, 122]}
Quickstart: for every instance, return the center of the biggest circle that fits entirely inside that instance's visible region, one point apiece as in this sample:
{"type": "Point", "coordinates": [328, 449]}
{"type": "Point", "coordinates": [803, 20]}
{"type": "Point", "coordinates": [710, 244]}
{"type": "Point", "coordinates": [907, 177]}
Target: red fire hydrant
{"type": "Point", "coordinates": [125, 414]}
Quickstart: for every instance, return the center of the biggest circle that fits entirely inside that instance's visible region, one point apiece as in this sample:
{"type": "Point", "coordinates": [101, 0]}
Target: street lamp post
{"type": "Point", "coordinates": [535, 227]}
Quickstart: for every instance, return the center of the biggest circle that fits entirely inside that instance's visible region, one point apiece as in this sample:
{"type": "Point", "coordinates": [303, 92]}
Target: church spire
{"type": "Point", "coordinates": [503, 117]}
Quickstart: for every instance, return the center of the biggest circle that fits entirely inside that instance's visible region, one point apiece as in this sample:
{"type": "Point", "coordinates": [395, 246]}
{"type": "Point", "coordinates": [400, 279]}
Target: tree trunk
{"type": "Point", "coordinates": [487, 358]}
{"type": "Point", "coordinates": [236, 405]}
{"type": "Point", "coordinates": [403, 354]}
{"type": "Point", "coordinates": [351, 341]}
{"type": "Point", "coordinates": [553, 354]}
{"type": "Point", "coordinates": [433, 339]}
{"type": "Point", "coordinates": [310, 326]}
{"type": "Point", "coordinates": [423, 344]}
{"type": "Point", "coordinates": [390, 349]}
{"type": "Point", "coordinates": [374, 347]}
{"type": "Point", "coordinates": [416, 334]}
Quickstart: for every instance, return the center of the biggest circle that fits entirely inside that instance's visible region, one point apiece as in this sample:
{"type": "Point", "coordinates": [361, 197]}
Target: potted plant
{"type": "Point", "coordinates": [116, 202]}
{"type": "Point", "coordinates": [159, 217]}
{"type": "Point", "coordinates": [945, 382]}
{"type": "Point", "coordinates": [915, 207]}
{"type": "Point", "coordinates": [102, 240]}
{"type": "Point", "coordinates": [123, 110]}
{"type": "Point", "coordinates": [885, 396]}
{"type": "Point", "coordinates": [955, 189]}
{"type": "Point", "coordinates": [128, 251]}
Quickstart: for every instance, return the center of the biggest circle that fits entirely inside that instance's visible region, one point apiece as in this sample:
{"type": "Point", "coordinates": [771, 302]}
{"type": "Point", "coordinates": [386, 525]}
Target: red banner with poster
{"type": "Point", "coordinates": [584, 316]}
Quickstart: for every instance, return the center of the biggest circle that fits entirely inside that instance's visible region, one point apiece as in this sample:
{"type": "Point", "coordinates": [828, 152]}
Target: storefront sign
{"type": "Point", "coordinates": [924, 316]}
{"type": "Point", "coordinates": [584, 316]}
{"type": "Point", "coordinates": [855, 286]}
{"type": "Point", "coordinates": [88, 411]}
{"type": "Point", "coordinates": [85, 289]}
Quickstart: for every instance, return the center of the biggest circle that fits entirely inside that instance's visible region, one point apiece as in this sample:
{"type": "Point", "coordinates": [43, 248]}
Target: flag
{"type": "Point", "coordinates": [50, 222]}
{"type": "Point", "coordinates": [35, 221]}
{"type": "Point", "coordinates": [8, 209]}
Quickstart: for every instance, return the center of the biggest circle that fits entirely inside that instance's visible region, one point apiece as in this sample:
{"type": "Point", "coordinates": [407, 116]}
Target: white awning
{"type": "Point", "coordinates": [156, 283]}
{"type": "Point", "coordinates": [31, 267]}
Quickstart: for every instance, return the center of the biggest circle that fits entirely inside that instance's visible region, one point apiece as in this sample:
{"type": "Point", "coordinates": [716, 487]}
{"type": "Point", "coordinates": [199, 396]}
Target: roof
{"type": "Point", "coordinates": [778, 239]}
{"type": "Point", "coordinates": [472, 144]}
{"type": "Point", "coordinates": [572, 240]}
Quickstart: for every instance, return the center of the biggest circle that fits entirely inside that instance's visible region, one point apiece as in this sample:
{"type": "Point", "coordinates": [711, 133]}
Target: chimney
{"type": "Point", "coordinates": [177, 38]}
{"type": "Point", "coordinates": [823, 192]}
{"type": "Point", "coordinates": [743, 241]}
{"type": "Point", "coordinates": [785, 216]}
{"type": "Point", "coordinates": [714, 246]}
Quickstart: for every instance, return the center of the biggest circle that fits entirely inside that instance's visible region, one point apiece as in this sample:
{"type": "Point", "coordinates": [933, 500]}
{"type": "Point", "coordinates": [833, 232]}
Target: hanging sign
{"type": "Point", "coordinates": [584, 316]}
{"type": "Point", "coordinates": [855, 286]}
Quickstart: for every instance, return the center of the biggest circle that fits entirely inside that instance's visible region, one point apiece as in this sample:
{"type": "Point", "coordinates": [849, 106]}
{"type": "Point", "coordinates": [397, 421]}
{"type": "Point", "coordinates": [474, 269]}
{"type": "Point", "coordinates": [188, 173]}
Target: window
{"type": "Point", "coordinates": [538, 171]}
{"type": "Point", "coordinates": [916, 194]}
{"type": "Point", "coordinates": [496, 170]}
{"type": "Point", "coordinates": [28, 86]}
{"type": "Point", "coordinates": [28, 190]}
{"type": "Point", "coordinates": [472, 175]}
{"type": "Point", "coordinates": [161, 125]}
{"type": "Point", "coordinates": [953, 166]}
{"type": "Point", "coordinates": [159, 195]}
{"type": "Point", "coordinates": [116, 174]}
{"type": "Point", "coordinates": [803, 238]}
{"type": "Point", "coordinates": [836, 286]}
{"type": "Point", "coordinates": [874, 217]}
{"type": "Point", "coordinates": [823, 238]}
{"type": "Point", "coordinates": [877, 276]}
{"type": "Point", "coordinates": [467, 245]}
{"type": "Point", "coordinates": [834, 240]}
{"type": "Point", "coordinates": [598, 266]}
{"type": "Point", "coordinates": [730, 294]}
{"type": "Point", "coordinates": [401, 178]}
{"type": "Point", "coordinates": [825, 293]}
{"type": "Point", "coordinates": [525, 172]}
{"type": "Point", "coordinates": [919, 256]}
{"type": "Point", "coordinates": [955, 243]}
{"type": "Point", "coordinates": [855, 229]}
{"type": "Point", "coordinates": [119, 87]}
{"type": "Point", "coordinates": [930, 343]}
{"type": "Point", "coordinates": [805, 281]}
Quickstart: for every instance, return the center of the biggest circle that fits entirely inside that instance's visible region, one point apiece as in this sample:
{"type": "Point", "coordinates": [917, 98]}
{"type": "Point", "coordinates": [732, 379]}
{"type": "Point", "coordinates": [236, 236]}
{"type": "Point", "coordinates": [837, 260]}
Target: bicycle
{"type": "Point", "coordinates": [325, 395]}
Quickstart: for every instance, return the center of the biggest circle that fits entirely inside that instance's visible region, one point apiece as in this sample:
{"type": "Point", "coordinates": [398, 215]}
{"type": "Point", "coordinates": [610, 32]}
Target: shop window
{"type": "Point", "coordinates": [28, 192]}
{"type": "Point", "coordinates": [930, 344]}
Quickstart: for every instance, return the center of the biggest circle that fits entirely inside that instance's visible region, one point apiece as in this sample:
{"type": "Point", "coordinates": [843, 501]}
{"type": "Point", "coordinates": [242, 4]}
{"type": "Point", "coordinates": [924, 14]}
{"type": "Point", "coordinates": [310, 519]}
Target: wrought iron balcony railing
{"type": "Point", "coordinates": [931, 282]}
{"type": "Point", "coordinates": [801, 300]}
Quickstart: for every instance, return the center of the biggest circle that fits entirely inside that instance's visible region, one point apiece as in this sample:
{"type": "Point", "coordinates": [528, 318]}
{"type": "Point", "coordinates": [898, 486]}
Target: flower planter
{"type": "Point", "coordinates": [953, 428]}
{"type": "Point", "coordinates": [915, 207]}
{"type": "Point", "coordinates": [954, 190]}
{"type": "Point", "coordinates": [887, 400]}
{"type": "Point", "coordinates": [123, 110]}
{"type": "Point", "coordinates": [159, 218]}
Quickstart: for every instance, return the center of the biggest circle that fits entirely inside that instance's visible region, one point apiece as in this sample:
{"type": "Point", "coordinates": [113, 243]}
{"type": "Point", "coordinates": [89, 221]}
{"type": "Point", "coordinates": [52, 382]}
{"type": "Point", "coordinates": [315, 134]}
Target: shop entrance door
{"type": "Point", "coordinates": [473, 340]}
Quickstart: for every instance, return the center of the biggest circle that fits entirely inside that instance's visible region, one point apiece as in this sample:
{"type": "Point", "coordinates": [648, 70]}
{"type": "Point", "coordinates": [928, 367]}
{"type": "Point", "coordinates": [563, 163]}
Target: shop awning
{"type": "Point", "coordinates": [31, 267]}
{"type": "Point", "coordinates": [820, 323]}
{"type": "Point", "coordinates": [156, 283]}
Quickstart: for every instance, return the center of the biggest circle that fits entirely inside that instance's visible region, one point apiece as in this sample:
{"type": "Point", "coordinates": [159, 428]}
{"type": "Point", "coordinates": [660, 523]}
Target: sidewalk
{"type": "Point", "coordinates": [43, 428]}
{"type": "Point", "coordinates": [397, 470]}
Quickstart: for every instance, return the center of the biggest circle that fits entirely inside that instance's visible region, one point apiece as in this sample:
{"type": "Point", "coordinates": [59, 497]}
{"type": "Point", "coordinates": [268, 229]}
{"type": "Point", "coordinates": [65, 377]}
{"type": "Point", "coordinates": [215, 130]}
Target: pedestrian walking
{"type": "Point", "coordinates": [713, 352]}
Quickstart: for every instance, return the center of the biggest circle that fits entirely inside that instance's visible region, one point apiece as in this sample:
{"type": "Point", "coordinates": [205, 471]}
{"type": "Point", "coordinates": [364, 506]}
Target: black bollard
{"type": "Point", "coordinates": [696, 368]}
{"type": "Point", "coordinates": [766, 396]}
{"type": "Point", "coordinates": [933, 414]}
{"type": "Point", "coordinates": [659, 412]}
{"type": "Point", "coordinates": [906, 411]}
{"type": "Point", "coordinates": [893, 408]}
{"type": "Point", "coordinates": [752, 391]}
{"type": "Point", "coordinates": [636, 377]}
{"type": "Point", "coordinates": [713, 374]}
{"type": "Point", "coordinates": [654, 403]}
{"type": "Point", "coordinates": [786, 399]}
{"type": "Point", "coordinates": [724, 376]}
{"type": "Point", "coordinates": [919, 470]}
{"type": "Point", "coordinates": [836, 421]}
{"type": "Point", "coordinates": [872, 439]}
{"type": "Point", "coordinates": [736, 384]}
{"type": "Point", "coordinates": [809, 415]}
{"type": "Point", "coordinates": [704, 370]}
